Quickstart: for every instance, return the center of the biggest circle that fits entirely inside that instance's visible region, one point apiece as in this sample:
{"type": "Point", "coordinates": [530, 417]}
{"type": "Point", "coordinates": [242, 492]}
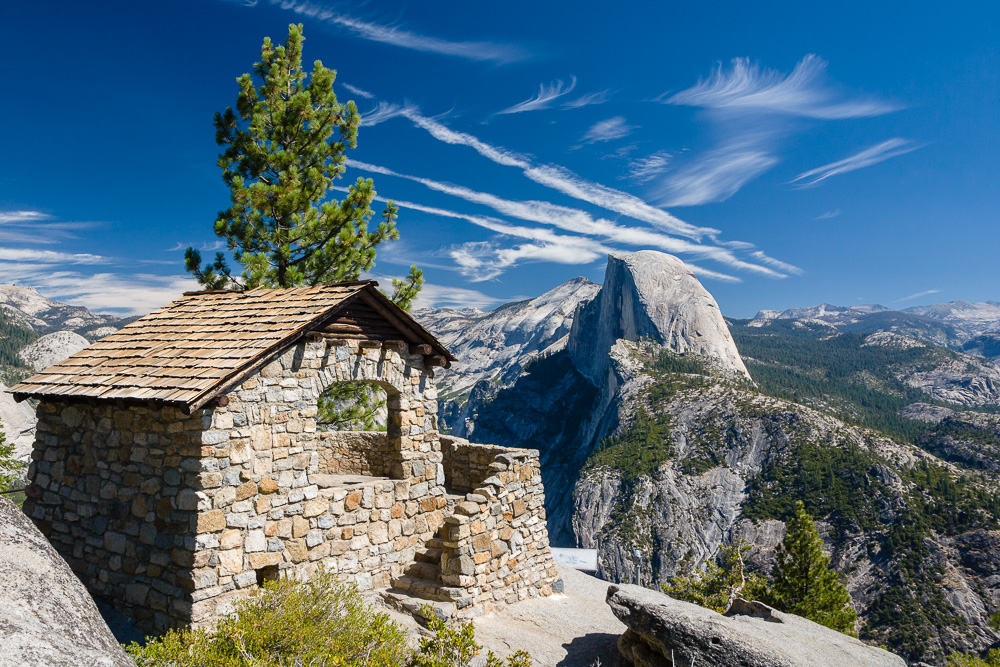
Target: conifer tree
{"type": "Point", "coordinates": [284, 146]}
{"type": "Point", "coordinates": [803, 582]}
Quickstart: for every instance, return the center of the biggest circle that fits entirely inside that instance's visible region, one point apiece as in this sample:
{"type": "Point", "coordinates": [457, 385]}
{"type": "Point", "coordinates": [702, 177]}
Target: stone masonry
{"type": "Point", "coordinates": [172, 517]}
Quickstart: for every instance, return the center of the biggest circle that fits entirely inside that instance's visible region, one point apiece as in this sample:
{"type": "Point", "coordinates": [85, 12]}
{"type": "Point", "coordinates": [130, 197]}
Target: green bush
{"type": "Point", "coordinates": [719, 584]}
{"type": "Point", "coordinates": [992, 659]}
{"type": "Point", "coordinates": [455, 646]}
{"type": "Point", "coordinates": [319, 623]}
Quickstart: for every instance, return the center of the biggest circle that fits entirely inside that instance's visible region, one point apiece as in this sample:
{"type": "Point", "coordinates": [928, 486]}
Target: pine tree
{"type": "Point", "coordinates": [803, 582]}
{"type": "Point", "coordinates": [285, 145]}
{"type": "Point", "coordinates": [10, 468]}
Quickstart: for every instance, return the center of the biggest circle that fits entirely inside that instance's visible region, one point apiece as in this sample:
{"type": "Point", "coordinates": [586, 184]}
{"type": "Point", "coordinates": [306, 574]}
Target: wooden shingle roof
{"type": "Point", "coordinates": [185, 352]}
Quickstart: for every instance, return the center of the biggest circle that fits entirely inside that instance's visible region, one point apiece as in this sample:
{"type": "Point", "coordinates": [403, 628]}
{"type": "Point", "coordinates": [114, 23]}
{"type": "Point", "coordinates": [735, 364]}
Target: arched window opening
{"type": "Point", "coordinates": [352, 406]}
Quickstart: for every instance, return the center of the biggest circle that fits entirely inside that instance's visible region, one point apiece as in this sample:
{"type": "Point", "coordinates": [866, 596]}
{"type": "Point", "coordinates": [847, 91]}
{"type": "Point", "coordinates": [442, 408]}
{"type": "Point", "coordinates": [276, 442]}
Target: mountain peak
{"type": "Point", "coordinates": [650, 294]}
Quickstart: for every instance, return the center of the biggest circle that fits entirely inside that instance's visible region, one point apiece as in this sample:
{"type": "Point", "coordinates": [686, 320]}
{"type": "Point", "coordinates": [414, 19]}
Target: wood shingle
{"type": "Point", "coordinates": [187, 351]}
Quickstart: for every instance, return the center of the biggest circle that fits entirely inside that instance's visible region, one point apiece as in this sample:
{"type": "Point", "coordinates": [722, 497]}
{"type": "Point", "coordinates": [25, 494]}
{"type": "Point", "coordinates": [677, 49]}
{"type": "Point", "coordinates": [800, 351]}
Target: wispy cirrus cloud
{"type": "Point", "coordinates": [566, 182]}
{"type": "Point", "coordinates": [547, 94]}
{"type": "Point", "coordinates": [918, 295]}
{"type": "Point", "coordinates": [360, 92]}
{"type": "Point", "coordinates": [7, 217]}
{"type": "Point", "coordinates": [395, 36]}
{"type": "Point", "coordinates": [599, 97]}
{"type": "Point", "coordinates": [441, 296]}
{"type": "Point", "coordinates": [762, 257]}
{"type": "Point", "coordinates": [645, 169]}
{"type": "Point", "coordinates": [579, 222]}
{"type": "Point", "coordinates": [608, 130]}
{"type": "Point", "coordinates": [716, 176]}
{"type": "Point", "coordinates": [28, 226]}
{"type": "Point", "coordinates": [829, 214]}
{"type": "Point", "coordinates": [805, 92]}
{"type": "Point", "coordinates": [873, 155]}
{"type": "Point", "coordinates": [741, 102]}
{"type": "Point", "coordinates": [49, 256]}
{"type": "Point", "coordinates": [118, 293]}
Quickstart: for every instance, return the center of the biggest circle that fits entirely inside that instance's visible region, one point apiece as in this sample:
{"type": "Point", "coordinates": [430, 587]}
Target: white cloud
{"type": "Point", "coordinates": [647, 168]}
{"type": "Point", "coordinates": [577, 221]}
{"type": "Point", "coordinates": [49, 256]}
{"type": "Point", "coordinates": [608, 130]}
{"type": "Point", "coordinates": [878, 153]}
{"type": "Point", "coordinates": [482, 51]}
{"type": "Point", "coordinates": [22, 216]}
{"type": "Point", "coordinates": [803, 92]}
{"type": "Point", "coordinates": [358, 91]}
{"type": "Point", "coordinates": [568, 183]}
{"type": "Point", "coordinates": [776, 263]}
{"type": "Point", "coordinates": [121, 294]}
{"type": "Point", "coordinates": [547, 94]}
{"type": "Point", "coordinates": [829, 214]}
{"type": "Point", "coordinates": [600, 97]}
{"type": "Point", "coordinates": [717, 176]}
{"type": "Point", "coordinates": [441, 296]}
{"type": "Point", "coordinates": [382, 112]}
{"type": "Point", "coordinates": [484, 260]}
{"type": "Point", "coordinates": [918, 295]}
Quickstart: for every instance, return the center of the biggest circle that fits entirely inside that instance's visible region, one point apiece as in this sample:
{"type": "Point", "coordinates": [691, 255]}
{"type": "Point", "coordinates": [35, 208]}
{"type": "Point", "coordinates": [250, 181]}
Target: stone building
{"type": "Point", "coordinates": [178, 462]}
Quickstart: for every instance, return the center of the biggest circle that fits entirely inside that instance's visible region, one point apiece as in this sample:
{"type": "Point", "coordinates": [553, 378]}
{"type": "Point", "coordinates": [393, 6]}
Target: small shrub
{"type": "Point", "coordinates": [318, 623]}
{"type": "Point", "coordinates": [992, 659]}
{"type": "Point", "coordinates": [719, 584]}
{"type": "Point", "coordinates": [455, 646]}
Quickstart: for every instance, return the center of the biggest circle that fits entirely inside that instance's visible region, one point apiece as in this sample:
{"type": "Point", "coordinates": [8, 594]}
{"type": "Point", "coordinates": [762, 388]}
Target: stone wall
{"type": "Point", "coordinates": [172, 518]}
{"type": "Point", "coordinates": [114, 493]}
{"type": "Point", "coordinates": [354, 453]}
{"type": "Point", "coordinates": [467, 464]}
{"type": "Point", "coordinates": [496, 545]}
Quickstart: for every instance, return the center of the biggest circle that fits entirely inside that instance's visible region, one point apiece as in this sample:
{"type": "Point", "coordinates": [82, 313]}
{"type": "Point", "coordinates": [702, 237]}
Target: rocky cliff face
{"type": "Point", "coordinates": [51, 349]}
{"type": "Point", "coordinates": [493, 348]}
{"type": "Point", "coordinates": [653, 436]}
{"type": "Point", "coordinates": [44, 315]}
{"type": "Point", "coordinates": [649, 294]}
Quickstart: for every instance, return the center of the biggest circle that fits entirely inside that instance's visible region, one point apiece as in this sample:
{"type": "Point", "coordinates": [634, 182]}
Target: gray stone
{"type": "Point", "coordinates": [57, 625]}
{"type": "Point", "coordinates": [664, 631]}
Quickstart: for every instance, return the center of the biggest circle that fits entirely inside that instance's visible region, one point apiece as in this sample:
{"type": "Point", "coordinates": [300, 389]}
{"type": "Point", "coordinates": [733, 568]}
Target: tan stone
{"type": "Point", "coordinates": [520, 507]}
{"type": "Point", "coordinates": [262, 504]}
{"type": "Point", "coordinates": [264, 559]}
{"type": "Point", "coordinates": [352, 501]}
{"type": "Point", "coordinates": [267, 486]}
{"type": "Point", "coordinates": [315, 507]}
{"type": "Point", "coordinates": [231, 561]}
{"type": "Point", "coordinates": [299, 527]}
{"type": "Point", "coordinates": [231, 539]}
{"type": "Point", "coordinates": [296, 550]}
{"type": "Point", "coordinates": [246, 490]}
{"type": "Point", "coordinates": [210, 522]}
{"type": "Point", "coordinates": [481, 557]}
{"type": "Point", "coordinates": [396, 511]}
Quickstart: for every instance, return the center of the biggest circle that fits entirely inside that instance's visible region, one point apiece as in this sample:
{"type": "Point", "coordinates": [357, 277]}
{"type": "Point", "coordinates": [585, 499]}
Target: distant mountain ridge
{"type": "Point", "coordinates": [969, 327]}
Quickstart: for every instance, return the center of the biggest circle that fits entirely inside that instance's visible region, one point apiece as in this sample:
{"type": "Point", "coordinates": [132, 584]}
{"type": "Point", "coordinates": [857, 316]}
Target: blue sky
{"type": "Point", "coordinates": [791, 153]}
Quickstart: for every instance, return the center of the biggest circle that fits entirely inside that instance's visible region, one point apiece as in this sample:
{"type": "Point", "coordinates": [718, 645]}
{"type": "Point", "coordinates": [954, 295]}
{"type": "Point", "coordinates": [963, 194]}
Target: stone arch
{"type": "Point", "coordinates": [411, 449]}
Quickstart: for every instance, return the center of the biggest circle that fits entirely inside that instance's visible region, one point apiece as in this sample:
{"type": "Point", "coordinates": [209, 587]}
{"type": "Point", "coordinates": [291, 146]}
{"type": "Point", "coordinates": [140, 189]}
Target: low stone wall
{"type": "Point", "coordinates": [468, 464]}
{"type": "Point", "coordinates": [367, 532]}
{"type": "Point", "coordinates": [354, 453]}
{"type": "Point", "coordinates": [496, 546]}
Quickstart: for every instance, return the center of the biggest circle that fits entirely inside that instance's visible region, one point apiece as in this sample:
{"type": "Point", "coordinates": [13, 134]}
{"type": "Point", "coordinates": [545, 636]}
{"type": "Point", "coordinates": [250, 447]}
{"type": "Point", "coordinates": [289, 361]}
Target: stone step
{"type": "Point", "coordinates": [424, 570]}
{"type": "Point", "coordinates": [419, 608]}
{"type": "Point", "coordinates": [419, 587]}
{"type": "Point", "coordinates": [432, 556]}
{"type": "Point", "coordinates": [434, 543]}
